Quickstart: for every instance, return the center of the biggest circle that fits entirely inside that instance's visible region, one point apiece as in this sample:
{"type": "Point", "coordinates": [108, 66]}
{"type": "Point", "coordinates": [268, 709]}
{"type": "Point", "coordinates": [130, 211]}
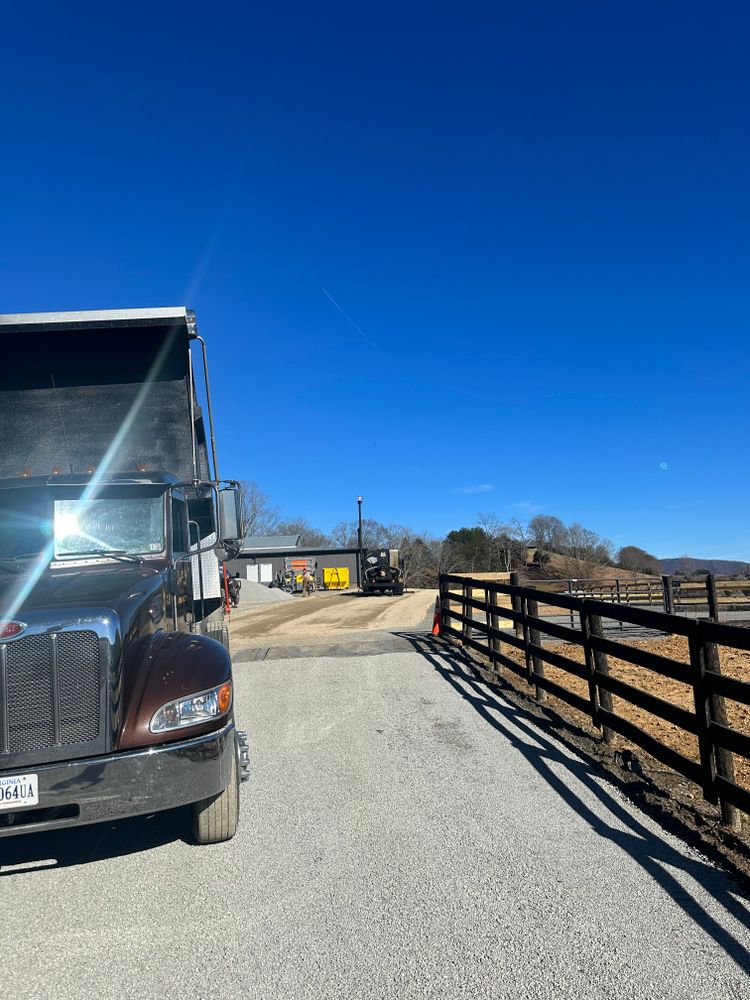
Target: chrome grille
{"type": "Point", "coordinates": [51, 691]}
{"type": "Point", "coordinates": [78, 686]}
{"type": "Point", "coordinates": [30, 702]}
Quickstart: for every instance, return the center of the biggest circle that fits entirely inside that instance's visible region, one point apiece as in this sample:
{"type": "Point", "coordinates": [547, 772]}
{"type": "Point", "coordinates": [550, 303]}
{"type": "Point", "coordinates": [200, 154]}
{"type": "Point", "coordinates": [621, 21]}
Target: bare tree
{"type": "Point", "coordinates": [311, 537]}
{"type": "Point", "coordinates": [258, 516]}
{"type": "Point", "coordinates": [425, 558]}
{"type": "Point", "coordinates": [506, 543]}
{"type": "Point", "coordinates": [498, 553]}
{"type": "Point", "coordinates": [395, 536]}
{"type": "Point", "coordinates": [585, 551]}
{"type": "Point", "coordinates": [636, 560]}
{"type": "Point", "coordinates": [548, 534]}
{"type": "Point", "coordinates": [341, 534]}
{"type": "Point", "coordinates": [442, 555]}
{"type": "Point", "coordinates": [519, 533]}
{"type": "Point", "coordinates": [417, 562]}
{"type": "Point", "coordinates": [344, 534]}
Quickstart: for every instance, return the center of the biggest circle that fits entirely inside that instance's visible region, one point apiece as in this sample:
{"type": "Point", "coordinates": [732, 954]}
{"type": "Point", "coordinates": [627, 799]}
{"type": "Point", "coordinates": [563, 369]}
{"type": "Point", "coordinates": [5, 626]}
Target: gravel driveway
{"type": "Point", "coordinates": [406, 834]}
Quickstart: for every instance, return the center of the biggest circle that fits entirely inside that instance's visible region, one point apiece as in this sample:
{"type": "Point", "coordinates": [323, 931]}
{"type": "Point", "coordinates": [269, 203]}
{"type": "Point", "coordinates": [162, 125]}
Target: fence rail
{"type": "Point", "coordinates": [674, 595]}
{"type": "Point", "coordinates": [622, 590]}
{"type": "Point", "coordinates": [706, 720]}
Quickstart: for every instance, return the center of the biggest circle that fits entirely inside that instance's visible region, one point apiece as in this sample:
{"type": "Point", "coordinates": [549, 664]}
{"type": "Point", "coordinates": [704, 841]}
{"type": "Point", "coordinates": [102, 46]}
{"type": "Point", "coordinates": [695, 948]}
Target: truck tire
{"type": "Point", "coordinates": [215, 820]}
{"type": "Point", "coordinates": [399, 591]}
{"type": "Point", "coordinates": [218, 632]}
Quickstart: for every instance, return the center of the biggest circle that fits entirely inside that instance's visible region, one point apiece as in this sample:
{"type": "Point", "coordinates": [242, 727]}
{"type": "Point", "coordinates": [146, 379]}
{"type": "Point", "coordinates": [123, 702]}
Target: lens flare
{"type": "Point", "coordinates": [66, 524]}
{"type": "Point", "coordinates": [31, 577]}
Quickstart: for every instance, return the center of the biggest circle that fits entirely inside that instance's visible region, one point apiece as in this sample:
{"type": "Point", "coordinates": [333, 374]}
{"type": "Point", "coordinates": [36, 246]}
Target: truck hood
{"type": "Point", "coordinates": [116, 587]}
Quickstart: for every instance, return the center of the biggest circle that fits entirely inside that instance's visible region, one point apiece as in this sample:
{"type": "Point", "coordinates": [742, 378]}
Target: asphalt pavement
{"type": "Point", "coordinates": [406, 833]}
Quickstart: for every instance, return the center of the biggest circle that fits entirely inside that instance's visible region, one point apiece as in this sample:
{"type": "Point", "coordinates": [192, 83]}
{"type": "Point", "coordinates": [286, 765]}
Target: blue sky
{"type": "Point", "coordinates": [456, 258]}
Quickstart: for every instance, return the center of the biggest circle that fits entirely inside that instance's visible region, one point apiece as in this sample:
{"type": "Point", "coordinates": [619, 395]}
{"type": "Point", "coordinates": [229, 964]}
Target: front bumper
{"type": "Point", "coordinates": [126, 784]}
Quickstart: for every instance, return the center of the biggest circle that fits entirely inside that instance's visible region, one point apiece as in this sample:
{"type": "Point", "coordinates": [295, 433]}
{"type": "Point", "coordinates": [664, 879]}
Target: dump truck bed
{"type": "Point", "coordinates": [89, 389]}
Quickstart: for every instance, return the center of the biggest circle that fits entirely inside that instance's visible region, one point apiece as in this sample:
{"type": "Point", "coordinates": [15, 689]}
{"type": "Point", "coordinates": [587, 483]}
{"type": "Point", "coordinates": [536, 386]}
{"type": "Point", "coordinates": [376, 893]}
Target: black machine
{"type": "Point", "coordinates": [382, 571]}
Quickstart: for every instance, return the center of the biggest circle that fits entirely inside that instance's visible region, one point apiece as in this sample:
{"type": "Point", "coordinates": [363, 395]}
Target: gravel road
{"type": "Point", "coordinates": [326, 615]}
{"type": "Point", "coordinates": [406, 834]}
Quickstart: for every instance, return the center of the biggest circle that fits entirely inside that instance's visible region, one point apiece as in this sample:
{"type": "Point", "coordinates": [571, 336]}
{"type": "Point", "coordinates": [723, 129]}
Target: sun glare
{"type": "Point", "coordinates": [38, 566]}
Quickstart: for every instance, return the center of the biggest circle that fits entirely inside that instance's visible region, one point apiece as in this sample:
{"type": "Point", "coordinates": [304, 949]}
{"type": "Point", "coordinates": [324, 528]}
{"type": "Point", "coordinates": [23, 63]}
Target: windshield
{"type": "Point", "coordinates": [24, 522]}
{"type": "Point", "coordinates": [132, 525]}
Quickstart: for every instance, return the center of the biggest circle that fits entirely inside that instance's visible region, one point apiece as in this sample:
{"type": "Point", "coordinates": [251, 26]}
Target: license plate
{"type": "Point", "coordinates": [18, 790]}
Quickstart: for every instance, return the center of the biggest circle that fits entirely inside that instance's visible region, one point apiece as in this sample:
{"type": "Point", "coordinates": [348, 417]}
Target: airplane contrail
{"type": "Point", "coordinates": [345, 314]}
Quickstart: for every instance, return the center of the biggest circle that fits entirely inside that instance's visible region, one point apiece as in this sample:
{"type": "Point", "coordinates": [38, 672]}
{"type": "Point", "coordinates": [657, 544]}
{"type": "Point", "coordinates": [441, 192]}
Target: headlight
{"type": "Point", "coordinates": [193, 710]}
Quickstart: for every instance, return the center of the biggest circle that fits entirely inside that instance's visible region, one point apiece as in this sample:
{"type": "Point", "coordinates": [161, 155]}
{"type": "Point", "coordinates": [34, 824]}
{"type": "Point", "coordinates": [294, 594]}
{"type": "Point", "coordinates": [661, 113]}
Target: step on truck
{"type": "Point", "coordinates": [116, 690]}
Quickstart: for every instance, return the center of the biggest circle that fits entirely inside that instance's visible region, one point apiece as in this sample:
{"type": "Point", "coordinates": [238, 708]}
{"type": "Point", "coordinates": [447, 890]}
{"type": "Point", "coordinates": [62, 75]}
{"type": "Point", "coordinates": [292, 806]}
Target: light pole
{"type": "Point", "coordinates": [359, 543]}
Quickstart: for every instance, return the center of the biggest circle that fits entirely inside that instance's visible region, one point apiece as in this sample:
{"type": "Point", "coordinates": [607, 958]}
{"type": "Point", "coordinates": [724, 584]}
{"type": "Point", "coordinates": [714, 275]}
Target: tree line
{"type": "Point", "coordinates": [543, 546]}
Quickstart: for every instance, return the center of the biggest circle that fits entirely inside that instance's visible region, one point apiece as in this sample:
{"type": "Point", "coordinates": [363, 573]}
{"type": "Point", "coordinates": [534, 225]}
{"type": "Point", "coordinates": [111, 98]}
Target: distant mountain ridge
{"type": "Point", "coordinates": [721, 567]}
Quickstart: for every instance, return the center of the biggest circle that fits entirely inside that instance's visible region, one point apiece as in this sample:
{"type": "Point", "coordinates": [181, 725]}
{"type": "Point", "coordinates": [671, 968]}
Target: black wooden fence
{"type": "Point", "coordinates": [707, 720]}
{"type": "Point", "coordinates": [648, 590]}
{"type": "Point", "coordinates": [673, 594]}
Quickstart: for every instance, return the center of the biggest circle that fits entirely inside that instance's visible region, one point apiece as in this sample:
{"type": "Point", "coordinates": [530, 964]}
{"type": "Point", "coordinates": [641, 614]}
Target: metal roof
{"type": "Point", "coordinates": [292, 550]}
{"type": "Point", "coordinates": [261, 543]}
{"type": "Point", "coordinates": [91, 317]}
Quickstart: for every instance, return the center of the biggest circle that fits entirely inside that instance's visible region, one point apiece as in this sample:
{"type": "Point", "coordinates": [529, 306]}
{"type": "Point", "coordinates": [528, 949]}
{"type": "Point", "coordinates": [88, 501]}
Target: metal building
{"type": "Point", "coordinates": [262, 558]}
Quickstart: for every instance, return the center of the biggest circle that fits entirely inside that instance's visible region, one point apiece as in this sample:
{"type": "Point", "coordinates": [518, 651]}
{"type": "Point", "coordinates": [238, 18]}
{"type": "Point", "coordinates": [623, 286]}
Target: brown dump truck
{"type": "Point", "coordinates": [116, 689]}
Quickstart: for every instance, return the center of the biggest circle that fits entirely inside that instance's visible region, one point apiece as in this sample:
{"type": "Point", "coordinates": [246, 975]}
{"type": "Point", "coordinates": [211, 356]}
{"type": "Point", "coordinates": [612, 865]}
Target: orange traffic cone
{"type": "Point", "coordinates": [436, 618]}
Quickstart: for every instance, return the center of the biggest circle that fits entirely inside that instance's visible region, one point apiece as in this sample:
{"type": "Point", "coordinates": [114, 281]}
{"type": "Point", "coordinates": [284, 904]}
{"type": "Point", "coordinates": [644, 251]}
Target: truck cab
{"type": "Point", "coordinates": [116, 689]}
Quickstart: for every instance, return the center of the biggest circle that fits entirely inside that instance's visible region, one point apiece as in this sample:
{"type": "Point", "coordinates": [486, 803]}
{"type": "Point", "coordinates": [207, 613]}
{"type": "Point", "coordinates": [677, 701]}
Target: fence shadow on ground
{"type": "Point", "coordinates": [84, 844]}
{"type": "Point", "coordinates": [648, 849]}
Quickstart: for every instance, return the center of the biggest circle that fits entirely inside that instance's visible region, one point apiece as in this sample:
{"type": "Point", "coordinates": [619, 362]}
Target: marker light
{"type": "Point", "coordinates": [57, 471]}
{"type": "Point", "coordinates": [143, 468]}
{"type": "Point", "coordinates": [26, 473]}
{"type": "Point", "coordinates": [225, 697]}
{"type": "Point", "coordinates": [9, 629]}
{"type": "Point", "coordinates": [193, 710]}
{"type": "Point", "coordinates": [90, 470]}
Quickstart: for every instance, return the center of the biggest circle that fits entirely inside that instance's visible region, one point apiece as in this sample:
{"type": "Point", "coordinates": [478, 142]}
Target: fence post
{"type": "Point", "coordinates": [668, 586]}
{"type": "Point", "coordinates": [466, 612]}
{"type": "Point", "coordinates": [515, 603]}
{"type": "Point", "coordinates": [713, 600]}
{"type": "Point", "coordinates": [532, 661]}
{"type": "Point", "coordinates": [600, 663]}
{"type": "Point", "coordinates": [442, 591]}
{"type": "Point", "coordinates": [495, 646]}
{"type": "Point", "coordinates": [570, 591]}
{"type": "Point", "coordinates": [710, 707]}
{"type": "Point", "coordinates": [702, 702]}
{"type": "Point", "coordinates": [589, 656]}
{"type": "Point", "coordinates": [526, 640]}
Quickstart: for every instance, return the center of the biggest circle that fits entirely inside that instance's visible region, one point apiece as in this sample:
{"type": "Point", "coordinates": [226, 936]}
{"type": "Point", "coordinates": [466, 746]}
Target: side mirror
{"type": "Point", "coordinates": [230, 517]}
